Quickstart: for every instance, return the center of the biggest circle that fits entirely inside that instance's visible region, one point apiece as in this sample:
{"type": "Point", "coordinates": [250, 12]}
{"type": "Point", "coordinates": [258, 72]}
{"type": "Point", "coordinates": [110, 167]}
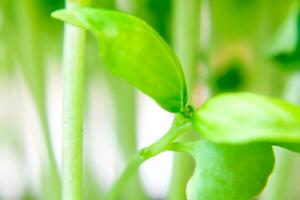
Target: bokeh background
{"type": "Point", "coordinates": [223, 46]}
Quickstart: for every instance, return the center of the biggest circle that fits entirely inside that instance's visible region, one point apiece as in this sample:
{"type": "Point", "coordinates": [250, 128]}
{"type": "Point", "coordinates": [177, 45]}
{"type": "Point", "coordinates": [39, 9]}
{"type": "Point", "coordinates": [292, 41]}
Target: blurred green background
{"type": "Point", "coordinates": [229, 45]}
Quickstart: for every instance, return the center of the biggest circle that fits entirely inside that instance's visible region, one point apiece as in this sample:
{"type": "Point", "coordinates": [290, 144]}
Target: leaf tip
{"type": "Point", "coordinates": [68, 16]}
{"type": "Point", "coordinates": [58, 14]}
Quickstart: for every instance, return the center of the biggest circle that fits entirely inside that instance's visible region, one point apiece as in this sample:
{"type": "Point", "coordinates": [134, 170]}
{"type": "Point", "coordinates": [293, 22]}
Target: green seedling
{"type": "Point", "coordinates": [234, 155]}
{"type": "Point", "coordinates": [128, 38]}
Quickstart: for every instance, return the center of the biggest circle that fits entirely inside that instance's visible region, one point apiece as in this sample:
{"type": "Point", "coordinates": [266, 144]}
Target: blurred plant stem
{"type": "Point", "coordinates": [32, 61]}
{"type": "Point", "coordinates": [179, 126]}
{"type": "Point", "coordinates": [73, 103]}
{"type": "Point", "coordinates": [186, 36]}
{"type": "Point", "coordinates": [156, 13]}
{"type": "Point", "coordinates": [281, 182]}
{"type": "Point", "coordinates": [279, 187]}
{"type": "Point", "coordinates": [186, 28]}
{"type": "Point", "coordinates": [92, 187]}
{"type": "Point", "coordinates": [124, 97]}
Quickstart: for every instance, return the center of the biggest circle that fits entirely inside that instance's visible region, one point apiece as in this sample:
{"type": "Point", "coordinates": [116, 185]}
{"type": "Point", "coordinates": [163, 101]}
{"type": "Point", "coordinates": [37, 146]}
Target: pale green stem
{"type": "Point", "coordinates": [73, 103]}
{"type": "Point", "coordinates": [180, 125]}
{"type": "Point", "coordinates": [183, 147]}
{"type": "Point", "coordinates": [129, 171]}
{"type": "Point", "coordinates": [186, 36]}
{"type": "Point", "coordinates": [126, 121]}
{"type": "Point", "coordinates": [33, 69]}
{"type": "Point", "coordinates": [186, 28]}
{"type": "Point", "coordinates": [280, 183]}
{"type": "Point", "coordinates": [53, 174]}
{"type": "Point", "coordinates": [279, 187]}
{"type": "Point", "coordinates": [125, 116]}
{"type": "Point", "coordinates": [281, 180]}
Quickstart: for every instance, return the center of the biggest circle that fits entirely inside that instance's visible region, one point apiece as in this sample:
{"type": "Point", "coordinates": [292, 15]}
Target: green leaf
{"type": "Point", "coordinates": [236, 118]}
{"type": "Point", "coordinates": [132, 50]}
{"type": "Point", "coordinates": [229, 172]}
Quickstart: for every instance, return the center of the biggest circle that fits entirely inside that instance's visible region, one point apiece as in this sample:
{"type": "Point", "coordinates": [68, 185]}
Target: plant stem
{"type": "Point", "coordinates": [130, 169]}
{"type": "Point", "coordinates": [125, 115]}
{"type": "Point", "coordinates": [179, 126]}
{"type": "Point", "coordinates": [186, 28]}
{"type": "Point", "coordinates": [186, 32]}
{"type": "Point", "coordinates": [73, 102]}
{"type": "Point", "coordinates": [126, 123]}
{"type": "Point", "coordinates": [53, 179]}
{"type": "Point", "coordinates": [34, 71]}
{"type": "Point", "coordinates": [280, 183]}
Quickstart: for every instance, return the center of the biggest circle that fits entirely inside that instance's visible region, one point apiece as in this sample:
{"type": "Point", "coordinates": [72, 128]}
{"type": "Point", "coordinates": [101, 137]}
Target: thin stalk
{"type": "Point", "coordinates": [129, 171]}
{"type": "Point", "coordinates": [182, 147]}
{"type": "Point", "coordinates": [280, 184]}
{"type": "Point", "coordinates": [73, 102]}
{"type": "Point", "coordinates": [52, 182]}
{"type": "Point", "coordinates": [125, 115]}
{"type": "Point", "coordinates": [281, 180]}
{"type": "Point", "coordinates": [186, 27]}
{"type": "Point", "coordinates": [47, 138]}
{"type": "Point", "coordinates": [186, 36]}
{"type": "Point", "coordinates": [179, 126]}
{"type": "Point", "coordinates": [33, 68]}
{"type": "Point", "coordinates": [126, 123]}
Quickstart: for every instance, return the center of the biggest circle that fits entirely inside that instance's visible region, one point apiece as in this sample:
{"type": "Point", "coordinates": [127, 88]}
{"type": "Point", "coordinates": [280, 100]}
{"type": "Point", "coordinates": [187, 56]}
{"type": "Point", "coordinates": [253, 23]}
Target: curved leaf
{"type": "Point", "coordinates": [235, 172]}
{"type": "Point", "coordinates": [236, 118]}
{"type": "Point", "coordinates": [132, 50]}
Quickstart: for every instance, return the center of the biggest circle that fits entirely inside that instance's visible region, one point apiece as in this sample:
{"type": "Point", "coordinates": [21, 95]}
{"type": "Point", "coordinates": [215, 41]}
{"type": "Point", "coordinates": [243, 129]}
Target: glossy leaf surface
{"type": "Point", "coordinates": [132, 50]}
{"type": "Point", "coordinates": [236, 118]}
{"type": "Point", "coordinates": [235, 172]}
